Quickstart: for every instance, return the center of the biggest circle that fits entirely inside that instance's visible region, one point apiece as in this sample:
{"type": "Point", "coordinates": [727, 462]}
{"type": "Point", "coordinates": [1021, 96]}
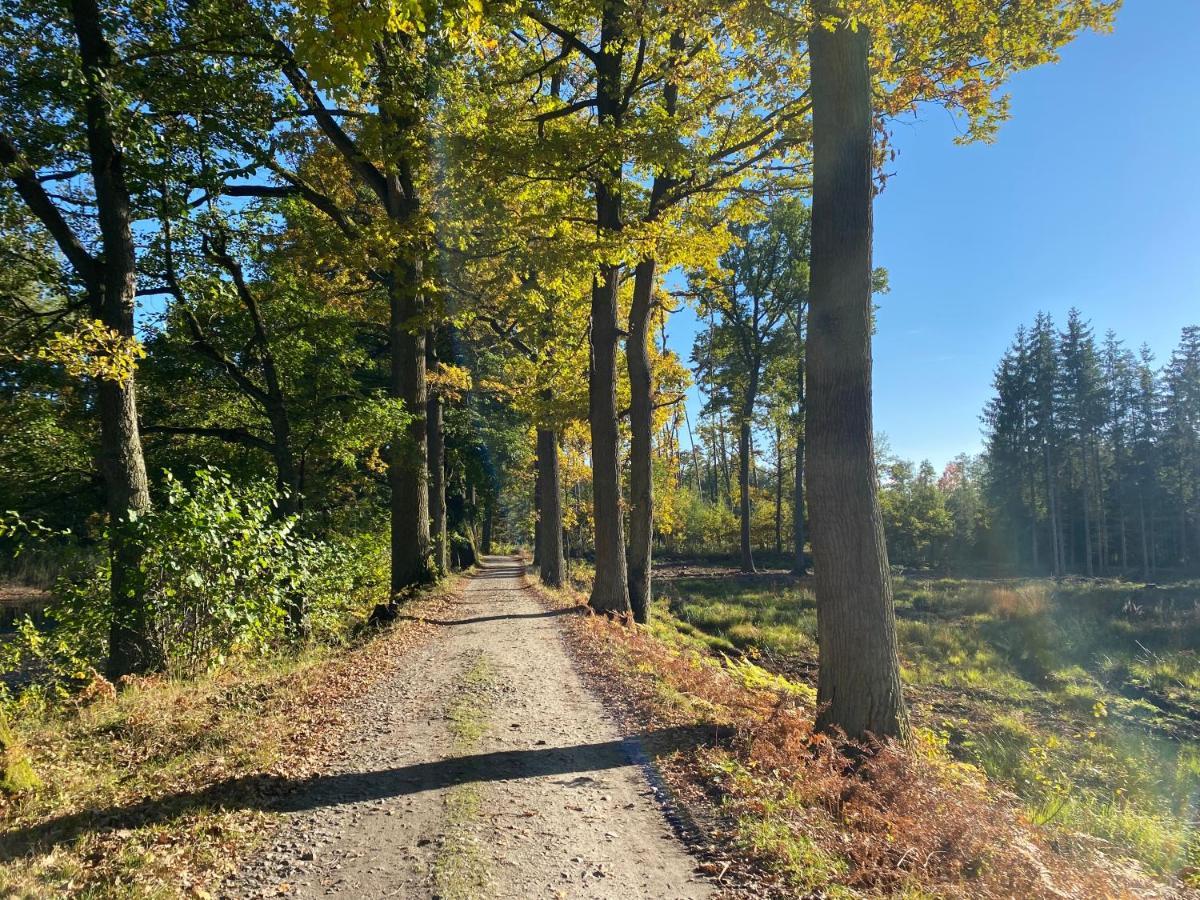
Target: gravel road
{"type": "Point", "coordinates": [482, 767]}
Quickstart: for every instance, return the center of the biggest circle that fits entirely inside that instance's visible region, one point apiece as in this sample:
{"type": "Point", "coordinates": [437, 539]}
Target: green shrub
{"type": "Point", "coordinates": [222, 573]}
{"type": "Point", "coordinates": [16, 774]}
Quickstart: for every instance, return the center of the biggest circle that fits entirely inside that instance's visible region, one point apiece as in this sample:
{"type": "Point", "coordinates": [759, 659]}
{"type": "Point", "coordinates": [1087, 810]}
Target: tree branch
{"type": "Point", "coordinates": [30, 189]}
{"type": "Point", "coordinates": [231, 435]}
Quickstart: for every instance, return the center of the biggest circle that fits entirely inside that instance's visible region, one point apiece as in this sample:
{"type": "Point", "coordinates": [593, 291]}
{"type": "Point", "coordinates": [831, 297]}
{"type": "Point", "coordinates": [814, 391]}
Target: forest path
{"type": "Point", "coordinates": [482, 767]}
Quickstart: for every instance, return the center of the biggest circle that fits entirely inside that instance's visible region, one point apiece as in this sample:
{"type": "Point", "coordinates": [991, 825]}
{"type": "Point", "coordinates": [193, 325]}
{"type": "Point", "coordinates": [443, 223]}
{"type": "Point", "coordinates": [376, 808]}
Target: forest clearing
{"type": "Point", "coordinates": [442, 451]}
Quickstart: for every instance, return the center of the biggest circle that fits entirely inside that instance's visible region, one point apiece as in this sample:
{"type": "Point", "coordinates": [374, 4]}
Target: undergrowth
{"type": "Point", "coordinates": [1076, 696]}
{"type": "Point", "coordinates": [920, 820]}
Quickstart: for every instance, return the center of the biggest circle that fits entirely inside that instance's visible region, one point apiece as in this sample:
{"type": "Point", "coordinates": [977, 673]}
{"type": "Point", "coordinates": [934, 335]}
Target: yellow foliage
{"type": "Point", "coordinates": [94, 350]}
{"type": "Point", "coordinates": [448, 381]}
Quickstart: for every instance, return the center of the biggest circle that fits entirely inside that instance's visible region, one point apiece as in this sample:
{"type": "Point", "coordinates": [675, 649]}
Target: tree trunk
{"type": "Point", "coordinates": [610, 590]}
{"type": "Point", "coordinates": [696, 467]}
{"type": "Point", "coordinates": [1144, 537]}
{"type": "Point", "coordinates": [550, 521]}
{"type": "Point", "coordinates": [858, 688]}
{"type": "Point", "coordinates": [724, 459]}
{"type": "Point", "coordinates": [1031, 475]}
{"type": "Point", "coordinates": [641, 389]}
{"type": "Point", "coordinates": [485, 535]}
{"type": "Point", "coordinates": [1102, 536]}
{"type": "Point", "coordinates": [537, 506]}
{"type": "Point", "coordinates": [641, 459]}
{"type": "Point", "coordinates": [112, 294]}
{"type": "Point", "coordinates": [1056, 555]}
{"type": "Point", "coordinates": [1087, 518]}
{"type": "Point", "coordinates": [744, 451]}
{"type": "Point", "coordinates": [439, 532]}
{"type": "Point", "coordinates": [778, 491]}
{"type": "Point", "coordinates": [408, 471]}
{"type": "Point", "coordinates": [798, 501]}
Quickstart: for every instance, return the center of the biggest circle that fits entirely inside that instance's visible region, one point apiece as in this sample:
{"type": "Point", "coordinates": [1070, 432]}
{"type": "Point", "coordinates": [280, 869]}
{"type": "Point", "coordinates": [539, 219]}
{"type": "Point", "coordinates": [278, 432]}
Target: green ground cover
{"type": "Point", "coordinates": [1082, 697]}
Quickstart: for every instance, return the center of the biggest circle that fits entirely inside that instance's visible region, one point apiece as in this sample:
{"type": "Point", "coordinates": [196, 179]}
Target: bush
{"type": "Point", "coordinates": [222, 573]}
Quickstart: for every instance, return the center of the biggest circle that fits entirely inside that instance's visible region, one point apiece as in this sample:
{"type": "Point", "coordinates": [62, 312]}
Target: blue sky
{"type": "Point", "coordinates": [1090, 197]}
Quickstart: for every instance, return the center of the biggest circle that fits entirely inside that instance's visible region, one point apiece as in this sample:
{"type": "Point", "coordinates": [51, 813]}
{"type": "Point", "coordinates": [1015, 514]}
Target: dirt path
{"type": "Point", "coordinates": [482, 768]}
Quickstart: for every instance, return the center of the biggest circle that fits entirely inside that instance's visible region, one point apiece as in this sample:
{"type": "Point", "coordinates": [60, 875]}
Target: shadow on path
{"type": "Point", "coordinates": [282, 794]}
{"type": "Point", "coordinates": [577, 610]}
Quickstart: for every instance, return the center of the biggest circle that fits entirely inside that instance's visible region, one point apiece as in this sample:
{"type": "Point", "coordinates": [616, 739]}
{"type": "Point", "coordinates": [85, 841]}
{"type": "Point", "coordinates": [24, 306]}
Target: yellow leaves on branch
{"type": "Point", "coordinates": [338, 40]}
{"type": "Point", "coordinates": [94, 350]}
{"type": "Point", "coordinates": [448, 381]}
{"type": "Point", "coordinates": [959, 54]}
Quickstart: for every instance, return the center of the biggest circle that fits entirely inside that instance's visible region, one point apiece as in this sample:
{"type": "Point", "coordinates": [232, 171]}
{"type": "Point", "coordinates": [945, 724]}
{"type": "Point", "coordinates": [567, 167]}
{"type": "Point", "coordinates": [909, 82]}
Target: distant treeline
{"type": "Point", "coordinates": [1092, 463]}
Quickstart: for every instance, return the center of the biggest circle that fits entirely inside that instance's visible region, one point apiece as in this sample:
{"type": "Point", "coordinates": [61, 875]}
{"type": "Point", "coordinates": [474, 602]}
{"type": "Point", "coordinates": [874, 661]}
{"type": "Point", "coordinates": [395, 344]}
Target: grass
{"type": "Point", "coordinates": [158, 790]}
{"type": "Point", "coordinates": [792, 815]}
{"type": "Point", "coordinates": [459, 869]}
{"type": "Point", "coordinates": [1078, 696]}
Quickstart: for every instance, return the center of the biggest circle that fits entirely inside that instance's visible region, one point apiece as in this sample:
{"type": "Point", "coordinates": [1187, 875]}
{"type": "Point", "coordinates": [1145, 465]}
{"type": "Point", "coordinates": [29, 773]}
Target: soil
{"type": "Point", "coordinates": [481, 767]}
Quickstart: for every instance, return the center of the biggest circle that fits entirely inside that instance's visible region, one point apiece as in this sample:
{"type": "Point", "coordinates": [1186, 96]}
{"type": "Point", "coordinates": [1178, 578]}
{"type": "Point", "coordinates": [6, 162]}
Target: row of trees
{"type": "Point", "coordinates": [1093, 452]}
{"type": "Point", "coordinates": [386, 241]}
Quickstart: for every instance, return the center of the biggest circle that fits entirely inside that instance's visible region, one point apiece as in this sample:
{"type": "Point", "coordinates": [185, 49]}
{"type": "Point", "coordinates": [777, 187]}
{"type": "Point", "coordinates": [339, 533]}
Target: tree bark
{"type": "Point", "coordinates": [610, 590]}
{"type": "Point", "coordinates": [408, 472]}
{"type": "Point", "coordinates": [641, 459]}
{"type": "Point", "coordinates": [439, 537]}
{"type": "Point", "coordinates": [112, 295]}
{"type": "Point", "coordinates": [858, 689]}
{"type": "Point", "coordinates": [778, 491]}
{"type": "Point", "coordinates": [550, 521]}
{"type": "Point", "coordinates": [537, 506]}
{"type": "Point", "coordinates": [744, 453]}
{"type": "Point", "coordinates": [798, 501]}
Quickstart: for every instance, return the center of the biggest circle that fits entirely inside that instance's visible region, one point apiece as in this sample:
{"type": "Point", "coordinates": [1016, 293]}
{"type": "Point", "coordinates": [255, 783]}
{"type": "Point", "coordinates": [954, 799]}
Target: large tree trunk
{"type": "Point", "coordinates": [610, 590]}
{"type": "Point", "coordinates": [112, 301]}
{"type": "Point", "coordinates": [641, 386]}
{"type": "Point", "coordinates": [641, 459]}
{"type": "Point", "coordinates": [537, 509]}
{"type": "Point", "coordinates": [858, 688]}
{"type": "Point", "coordinates": [408, 473]}
{"type": "Point", "coordinates": [550, 521]}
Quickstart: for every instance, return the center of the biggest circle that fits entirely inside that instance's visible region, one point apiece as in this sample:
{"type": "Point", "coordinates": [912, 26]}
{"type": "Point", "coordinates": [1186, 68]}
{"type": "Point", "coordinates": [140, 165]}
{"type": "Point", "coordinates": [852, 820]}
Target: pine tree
{"type": "Point", "coordinates": [1181, 443]}
{"type": "Point", "coordinates": [1082, 401]}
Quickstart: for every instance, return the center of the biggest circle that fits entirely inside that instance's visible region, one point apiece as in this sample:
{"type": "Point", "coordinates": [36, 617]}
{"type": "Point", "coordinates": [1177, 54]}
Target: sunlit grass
{"type": "Point", "coordinates": [1055, 690]}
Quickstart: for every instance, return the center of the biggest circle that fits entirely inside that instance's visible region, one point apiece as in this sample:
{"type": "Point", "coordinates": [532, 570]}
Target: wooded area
{"type": "Point", "coordinates": [306, 306]}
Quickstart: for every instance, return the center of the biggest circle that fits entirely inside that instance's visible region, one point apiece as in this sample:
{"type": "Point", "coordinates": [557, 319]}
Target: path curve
{"type": "Point", "coordinates": [482, 767]}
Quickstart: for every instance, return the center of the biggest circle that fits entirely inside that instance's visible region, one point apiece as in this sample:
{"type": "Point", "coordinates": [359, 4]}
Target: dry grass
{"type": "Point", "coordinates": [1022, 602]}
{"type": "Point", "coordinates": [815, 820]}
